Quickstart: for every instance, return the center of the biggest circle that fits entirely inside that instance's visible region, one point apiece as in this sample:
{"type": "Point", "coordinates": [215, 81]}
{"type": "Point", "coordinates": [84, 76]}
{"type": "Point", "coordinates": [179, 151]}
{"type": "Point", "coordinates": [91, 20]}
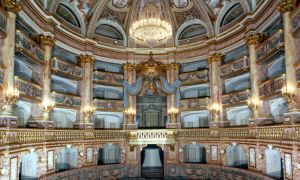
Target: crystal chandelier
{"type": "Point", "coordinates": [150, 26]}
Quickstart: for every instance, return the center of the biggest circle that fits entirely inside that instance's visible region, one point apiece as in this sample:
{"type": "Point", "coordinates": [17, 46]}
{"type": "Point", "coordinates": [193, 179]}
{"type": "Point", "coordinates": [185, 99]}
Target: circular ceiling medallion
{"type": "Point", "coordinates": [180, 3]}
{"type": "Point", "coordinates": [120, 3]}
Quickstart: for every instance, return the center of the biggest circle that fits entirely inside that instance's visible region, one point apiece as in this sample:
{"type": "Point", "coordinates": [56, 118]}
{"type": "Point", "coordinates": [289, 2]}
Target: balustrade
{"type": "Point", "coordinates": [236, 98]}
{"type": "Point", "coordinates": [195, 77]}
{"type": "Point", "coordinates": [108, 78]}
{"type": "Point", "coordinates": [66, 99]}
{"type": "Point", "coordinates": [109, 105]}
{"type": "Point", "coordinates": [194, 104]}
{"type": "Point", "coordinates": [235, 67]}
{"type": "Point", "coordinates": [28, 89]}
{"type": "Point", "coordinates": [271, 87]}
{"type": "Point", "coordinates": [64, 68]}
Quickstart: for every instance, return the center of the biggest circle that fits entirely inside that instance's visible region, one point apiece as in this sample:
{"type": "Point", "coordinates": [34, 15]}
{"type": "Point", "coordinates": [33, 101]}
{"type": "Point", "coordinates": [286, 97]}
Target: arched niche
{"type": "Point", "coordinates": [195, 119]}
{"type": "Point", "coordinates": [110, 29]}
{"type": "Point", "coordinates": [63, 85]}
{"type": "Point", "coordinates": [236, 156]}
{"type": "Point", "coordinates": [108, 120]}
{"type": "Point", "coordinates": [190, 29]}
{"type": "Point", "coordinates": [273, 164]}
{"type": "Point", "coordinates": [67, 159]}
{"type": "Point", "coordinates": [109, 154]}
{"type": "Point", "coordinates": [29, 166]}
{"type": "Point", "coordinates": [194, 153]}
{"type": "Point", "coordinates": [65, 12]}
{"type": "Point", "coordinates": [63, 118]}
{"type": "Point", "coordinates": [238, 116]}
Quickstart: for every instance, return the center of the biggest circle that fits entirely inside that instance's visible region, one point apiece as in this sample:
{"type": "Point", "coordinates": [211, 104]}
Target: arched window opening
{"type": "Point", "coordinates": [67, 14]}
{"type": "Point", "coordinates": [233, 13]}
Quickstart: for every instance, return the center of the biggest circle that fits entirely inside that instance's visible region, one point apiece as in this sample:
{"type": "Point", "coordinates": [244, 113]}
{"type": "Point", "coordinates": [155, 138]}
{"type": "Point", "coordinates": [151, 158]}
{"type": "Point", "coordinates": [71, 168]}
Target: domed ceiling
{"type": "Point", "coordinates": [110, 20]}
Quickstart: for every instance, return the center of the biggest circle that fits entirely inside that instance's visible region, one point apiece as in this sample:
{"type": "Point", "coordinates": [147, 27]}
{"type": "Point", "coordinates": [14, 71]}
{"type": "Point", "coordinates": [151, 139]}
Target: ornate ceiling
{"type": "Point", "coordinates": [111, 19]}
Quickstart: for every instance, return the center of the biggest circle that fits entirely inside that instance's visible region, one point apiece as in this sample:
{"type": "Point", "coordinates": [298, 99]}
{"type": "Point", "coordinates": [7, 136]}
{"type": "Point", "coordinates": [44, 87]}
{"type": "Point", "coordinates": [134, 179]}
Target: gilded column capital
{"type": "Point", "coordinates": [173, 66]}
{"type": "Point", "coordinates": [286, 6]}
{"type": "Point", "coordinates": [47, 40]}
{"type": "Point", "coordinates": [216, 57]}
{"type": "Point", "coordinates": [11, 5]}
{"type": "Point", "coordinates": [85, 58]}
{"type": "Point", "coordinates": [128, 67]}
{"type": "Point", "coordinates": [254, 39]}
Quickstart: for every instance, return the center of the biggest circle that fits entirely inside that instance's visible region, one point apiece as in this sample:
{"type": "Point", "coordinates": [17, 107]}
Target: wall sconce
{"type": "Point", "coordinates": [11, 97]}
{"type": "Point", "coordinates": [88, 111]}
{"type": "Point", "coordinates": [42, 159]}
{"type": "Point", "coordinates": [130, 114]}
{"type": "Point", "coordinates": [298, 166]}
{"type": "Point", "coordinates": [222, 151]}
{"type": "Point", "coordinates": [255, 105]}
{"type": "Point", "coordinates": [81, 153]}
{"type": "Point", "coordinates": [288, 93]}
{"type": "Point", "coordinates": [48, 106]}
{"type": "Point", "coordinates": [260, 156]}
{"type": "Point", "coordinates": [173, 113]}
{"type": "Point", "coordinates": [172, 147]}
{"type": "Point", "coordinates": [214, 109]}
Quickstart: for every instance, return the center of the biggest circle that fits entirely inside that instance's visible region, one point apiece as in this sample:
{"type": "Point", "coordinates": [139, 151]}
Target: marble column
{"type": "Point", "coordinates": [172, 75]}
{"type": "Point", "coordinates": [7, 119]}
{"type": "Point", "coordinates": [254, 103]}
{"type": "Point", "coordinates": [43, 119]}
{"type": "Point", "coordinates": [214, 61]}
{"type": "Point", "coordinates": [130, 111]}
{"type": "Point", "coordinates": [285, 7]}
{"type": "Point", "coordinates": [87, 108]}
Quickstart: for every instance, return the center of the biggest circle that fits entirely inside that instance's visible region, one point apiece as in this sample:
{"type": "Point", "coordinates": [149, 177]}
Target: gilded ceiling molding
{"type": "Point", "coordinates": [97, 12]}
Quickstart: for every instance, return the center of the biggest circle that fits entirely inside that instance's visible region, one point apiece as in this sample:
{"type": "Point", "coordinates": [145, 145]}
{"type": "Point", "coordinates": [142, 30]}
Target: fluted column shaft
{"type": "Point", "coordinates": [214, 61]}
{"type": "Point", "coordinates": [87, 107]}
{"type": "Point", "coordinates": [285, 7]}
{"type": "Point", "coordinates": [252, 41]}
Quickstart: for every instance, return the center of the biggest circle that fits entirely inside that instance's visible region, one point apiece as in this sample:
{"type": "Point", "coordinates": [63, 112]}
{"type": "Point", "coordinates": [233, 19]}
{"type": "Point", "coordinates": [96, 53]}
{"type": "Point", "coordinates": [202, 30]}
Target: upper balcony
{"type": "Point", "coordinates": [29, 48]}
{"type": "Point", "coordinates": [108, 78]}
{"type": "Point", "coordinates": [110, 105]}
{"type": "Point", "coordinates": [28, 89]}
{"type": "Point", "coordinates": [194, 77]}
{"type": "Point", "coordinates": [66, 69]}
{"type": "Point", "coordinates": [271, 87]}
{"type": "Point", "coordinates": [235, 98]}
{"type": "Point", "coordinates": [234, 68]}
{"type": "Point", "coordinates": [194, 104]}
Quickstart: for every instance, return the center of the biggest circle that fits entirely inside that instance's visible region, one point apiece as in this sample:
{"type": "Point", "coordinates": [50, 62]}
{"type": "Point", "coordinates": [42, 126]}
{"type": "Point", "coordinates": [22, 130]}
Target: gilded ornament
{"type": "Point", "coordinates": [216, 57]}
{"type": "Point", "coordinates": [43, 39]}
{"type": "Point", "coordinates": [11, 5]}
{"type": "Point", "coordinates": [128, 67]}
{"type": "Point", "coordinates": [173, 66]}
{"type": "Point", "coordinates": [254, 39]}
{"type": "Point", "coordinates": [286, 6]}
{"type": "Point", "coordinates": [85, 58]}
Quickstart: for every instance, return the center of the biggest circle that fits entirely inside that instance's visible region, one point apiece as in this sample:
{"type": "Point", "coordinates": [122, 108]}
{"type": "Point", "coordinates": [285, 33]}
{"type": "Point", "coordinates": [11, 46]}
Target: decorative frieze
{"type": "Point", "coordinates": [66, 100]}
{"type": "Point", "coordinates": [270, 45]}
{"type": "Point", "coordinates": [28, 89]}
{"type": "Point", "coordinates": [195, 77]}
{"type": "Point", "coordinates": [235, 67]}
{"type": "Point", "coordinates": [194, 104]}
{"type": "Point", "coordinates": [109, 105]}
{"type": "Point", "coordinates": [271, 87]}
{"type": "Point", "coordinates": [236, 97]}
{"type": "Point", "coordinates": [27, 46]}
{"type": "Point", "coordinates": [62, 67]}
{"type": "Point", "coordinates": [108, 78]}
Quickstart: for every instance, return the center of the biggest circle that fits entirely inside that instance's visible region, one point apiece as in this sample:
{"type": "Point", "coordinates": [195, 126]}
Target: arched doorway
{"type": "Point", "coordinates": [152, 161]}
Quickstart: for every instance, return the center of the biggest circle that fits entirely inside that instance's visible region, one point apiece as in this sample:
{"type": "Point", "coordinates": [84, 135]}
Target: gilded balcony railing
{"type": "Point", "coordinates": [235, 67]}
{"type": "Point", "coordinates": [64, 68]}
{"type": "Point", "coordinates": [282, 133]}
{"type": "Point", "coordinates": [28, 89]}
{"type": "Point", "coordinates": [66, 99]}
{"type": "Point", "coordinates": [108, 78]}
{"type": "Point", "coordinates": [235, 98]}
{"type": "Point", "coordinates": [270, 45]}
{"type": "Point", "coordinates": [28, 47]}
{"type": "Point", "coordinates": [194, 104]}
{"type": "Point", "coordinates": [271, 87]}
{"type": "Point", "coordinates": [195, 77]}
{"type": "Point", "coordinates": [109, 105]}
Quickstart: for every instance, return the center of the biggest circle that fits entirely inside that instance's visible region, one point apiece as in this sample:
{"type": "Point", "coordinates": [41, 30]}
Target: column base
{"type": "Point", "coordinates": [129, 126]}
{"type": "Point", "coordinates": [40, 124]}
{"type": "Point", "coordinates": [219, 124]}
{"type": "Point", "coordinates": [84, 126]}
{"type": "Point", "coordinates": [173, 125]}
{"type": "Point", "coordinates": [291, 118]}
{"type": "Point", "coordinates": [8, 121]}
{"type": "Point", "coordinates": [261, 121]}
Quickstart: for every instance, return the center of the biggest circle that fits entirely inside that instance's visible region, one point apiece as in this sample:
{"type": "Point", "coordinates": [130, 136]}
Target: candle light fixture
{"type": "Point", "coordinates": [214, 109]}
{"type": "Point", "coordinates": [255, 105]}
{"type": "Point", "coordinates": [173, 113]}
{"type": "Point", "coordinates": [11, 97]}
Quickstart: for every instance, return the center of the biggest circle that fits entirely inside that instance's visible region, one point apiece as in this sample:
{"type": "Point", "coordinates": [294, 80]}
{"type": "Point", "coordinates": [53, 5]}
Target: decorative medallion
{"type": "Point", "coordinates": [119, 3]}
{"type": "Point", "coordinates": [180, 3]}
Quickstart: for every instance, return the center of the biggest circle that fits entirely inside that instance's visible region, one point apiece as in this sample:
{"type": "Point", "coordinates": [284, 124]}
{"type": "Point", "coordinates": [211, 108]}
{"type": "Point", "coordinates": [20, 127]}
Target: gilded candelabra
{"type": "Point", "coordinates": [255, 105]}
{"type": "Point", "coordinates": [173, 114]}
{"type": "Point", "coordinates": [214, 109]}
{"type": "Point", "coordinates": [11, 97]}
{"type": "Point", "coordinates": [288, 93]}
{"type": "Point", "coordinates": [48, 106]}
{"type": "Point", "coordinates": [130, 114]}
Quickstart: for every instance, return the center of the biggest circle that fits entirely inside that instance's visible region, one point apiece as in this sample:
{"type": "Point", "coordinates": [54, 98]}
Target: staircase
{"type": "Point", "coordinates": [153, 173]}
